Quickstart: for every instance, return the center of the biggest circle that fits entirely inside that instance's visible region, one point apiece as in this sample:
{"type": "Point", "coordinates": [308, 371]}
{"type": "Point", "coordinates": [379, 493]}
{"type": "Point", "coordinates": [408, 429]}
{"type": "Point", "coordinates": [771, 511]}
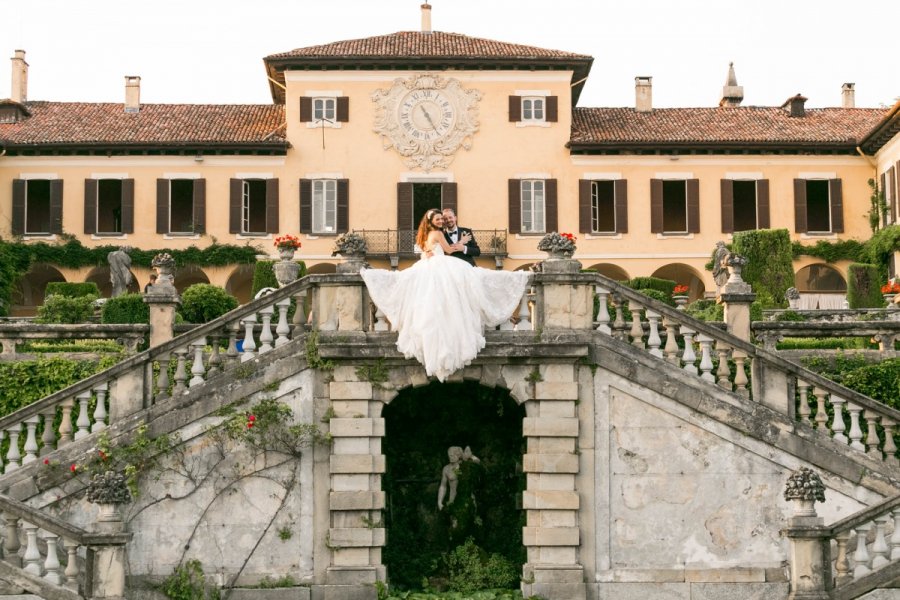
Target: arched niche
{"type": "Point", "coordinates": [240, 282]}
{"type": "Point", "coordinates": [29, 289]}
{"type": "Point", "coordinates": [684, 275]}
{"type": "Point", "coordinates": [322, 269]}
{"type": "Point", "coordinates": [525, 267]}
{"type": "Point", "coordinates": [187, 276]}
{"type": "Point", "coordinates": [820, 279]}
{"type": "Point", "coordinates": [610, 270]}
{"type": "Point", "coordinates": [100, 276]}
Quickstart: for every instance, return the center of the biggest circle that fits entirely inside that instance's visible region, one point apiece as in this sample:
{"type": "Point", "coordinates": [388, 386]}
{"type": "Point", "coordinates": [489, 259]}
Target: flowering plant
{"type": "Point", "coordinates": [558, 242]}
{"type": "Point", "coordinates": [287, 242]}
{"type": "Point", "coordinates": [680, 290]}
{"type": "Point", "coordinates": [891, 287]}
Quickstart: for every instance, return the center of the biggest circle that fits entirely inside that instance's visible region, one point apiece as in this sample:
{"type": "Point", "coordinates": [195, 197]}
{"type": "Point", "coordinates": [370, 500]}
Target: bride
{"type": "Point", "coordinates": [440, 305]}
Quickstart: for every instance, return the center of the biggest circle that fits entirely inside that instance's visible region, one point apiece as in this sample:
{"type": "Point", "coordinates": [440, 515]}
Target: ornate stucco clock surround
{"type": "Point", "coordinates": [426, 119]}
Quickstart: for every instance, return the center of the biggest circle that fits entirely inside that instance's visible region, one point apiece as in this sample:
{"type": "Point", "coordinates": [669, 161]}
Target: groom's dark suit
{"type": "Point", "coordinates": [472, 249]}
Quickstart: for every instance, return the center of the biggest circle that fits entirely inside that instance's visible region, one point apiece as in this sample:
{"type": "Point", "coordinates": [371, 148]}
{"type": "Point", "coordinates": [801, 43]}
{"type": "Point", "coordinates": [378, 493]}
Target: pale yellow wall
{"type": "Point", "coordinates": [886, 158]}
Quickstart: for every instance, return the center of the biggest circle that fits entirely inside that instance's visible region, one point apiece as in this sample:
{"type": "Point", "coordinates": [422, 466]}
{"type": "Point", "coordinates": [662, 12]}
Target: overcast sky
{"type": "Point", "coordinates": [210, 51]}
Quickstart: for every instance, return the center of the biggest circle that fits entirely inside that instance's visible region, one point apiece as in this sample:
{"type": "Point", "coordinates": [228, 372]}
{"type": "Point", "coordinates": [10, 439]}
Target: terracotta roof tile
{"type": "Point", "coordinates": [750, 125]}
{"type": "Point", "coordinates": [156, 125]}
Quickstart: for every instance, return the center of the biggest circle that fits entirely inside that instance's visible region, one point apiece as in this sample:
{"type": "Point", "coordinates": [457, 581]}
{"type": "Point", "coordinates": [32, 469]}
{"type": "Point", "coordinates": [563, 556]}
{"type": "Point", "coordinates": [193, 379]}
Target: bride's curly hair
{"type": "Point", "coordinates": [425, 227]}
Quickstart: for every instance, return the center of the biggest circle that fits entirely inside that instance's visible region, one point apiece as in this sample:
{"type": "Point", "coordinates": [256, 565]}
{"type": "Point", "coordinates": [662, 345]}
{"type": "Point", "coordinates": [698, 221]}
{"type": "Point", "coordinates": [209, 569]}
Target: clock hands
{"type": "Point", "coordinates": [428, 118]}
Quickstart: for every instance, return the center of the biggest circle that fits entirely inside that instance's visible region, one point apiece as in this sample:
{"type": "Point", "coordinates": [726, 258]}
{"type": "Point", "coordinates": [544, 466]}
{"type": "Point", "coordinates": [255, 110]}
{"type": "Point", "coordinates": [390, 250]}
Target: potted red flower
{"type": "Point", "coordinates": [680, 295]}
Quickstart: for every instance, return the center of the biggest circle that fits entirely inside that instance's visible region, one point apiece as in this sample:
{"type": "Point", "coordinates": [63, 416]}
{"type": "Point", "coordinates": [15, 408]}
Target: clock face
{"type": "Point", "coordinates": [426, 114]}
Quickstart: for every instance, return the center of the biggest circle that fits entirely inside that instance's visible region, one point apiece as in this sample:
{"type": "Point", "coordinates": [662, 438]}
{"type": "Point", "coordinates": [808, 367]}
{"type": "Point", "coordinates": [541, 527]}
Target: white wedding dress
{"type": "Point", "coordinates": [441, 305]}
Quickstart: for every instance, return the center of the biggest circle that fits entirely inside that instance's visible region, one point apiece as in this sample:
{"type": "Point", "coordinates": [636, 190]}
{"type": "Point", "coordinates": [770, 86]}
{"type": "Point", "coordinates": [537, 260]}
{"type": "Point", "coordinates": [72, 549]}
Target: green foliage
{"type": "Point", "coordinates": [658, 295]}
{"type": "Point", "coordinates": [831, 252]}
{"type": "Point", "coordinates": [60, 346]}
{"type": "Point", "coordinates": [263, 276]}
{"type": "Point", "coordinates": [72, 289]}
{"type": "Point", "coordinates": [139, 457]}
{"type": "Point", "coordinates": [864, 286]}
{"type": "Point", "coordinates": [376, 373]}
{"type": "Point", "coordinates": [705, 310]}
{"type": "Point", "coordinates": [189, 583]}
{"type": "Point", "coordinates": [269, 425]}
{"type": "Point", "coordinates": [285, 581]}
{"type": "Point", "coordinates": [880, 381]}
{"type": "Point", "coordinates": [770, 268]}
{"type": "Point", "coordinates": [12, 266]}
{"type": "Point", "coordinates": [847, 343]}
{"type": "Point", "coordinates": [26, 381]}
{"type": "Point", "coordinates": [127, 308]}
{"type": "Point", "coordinates": [384, 594]}
{"type": "Point", "coordinates": [880, 247]}
{"type": "Point", "coordinates": [666, 286]}
{"type": "Point", "coordinates": [877, 205]}
{"type": "Point", "coordinates": [312, 353]}
{"type": "Point", "coordinates": [203, 302]}
{"type": "Point", "coordinates": [470, 568]}
{"type": "Point", "coordinates": [63, 309]}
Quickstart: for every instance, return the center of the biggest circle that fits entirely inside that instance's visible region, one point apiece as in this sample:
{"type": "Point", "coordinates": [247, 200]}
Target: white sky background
{"type": "Point", "coordinates": [210, 51]}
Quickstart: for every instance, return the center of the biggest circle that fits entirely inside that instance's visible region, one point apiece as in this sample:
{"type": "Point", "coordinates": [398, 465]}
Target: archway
{"type": "Point", "coordinates": [820, 279]}
{"type": "Point", "coordinates": [322, 269]}
{"type": "Point", "coordinates": [100, 276]}
{"type": "Point", "coordinates": [610, 270]}
{"type": "Point", "coordinates": [29, 288]}
{"type": "Point", "coordinates": [187, 276]}
{"type": "Point", "coordinates": [684, 275]}
{"type": "Point", "coordinates": [240, 283]}
{"type": "Point", "coordinates": [421, 424]}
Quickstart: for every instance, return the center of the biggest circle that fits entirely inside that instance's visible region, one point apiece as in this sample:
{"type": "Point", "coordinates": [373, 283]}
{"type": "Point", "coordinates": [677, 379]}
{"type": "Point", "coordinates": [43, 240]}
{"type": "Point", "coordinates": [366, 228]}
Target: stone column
{"type": "Point", "coordinates": [163, 299]}
{"type": "Point", "coordinates": [105, 564]}
{"type": "Point", "coordinates": [736, 297]}
{"type": "Point", "coordinates": [552, 535]}
{"type": "Point", "coordinates": [339, 303]}
{"type": "Point", "coordinates": [810, 549]}
{"type": "Point", "coordinates": [565, 296]}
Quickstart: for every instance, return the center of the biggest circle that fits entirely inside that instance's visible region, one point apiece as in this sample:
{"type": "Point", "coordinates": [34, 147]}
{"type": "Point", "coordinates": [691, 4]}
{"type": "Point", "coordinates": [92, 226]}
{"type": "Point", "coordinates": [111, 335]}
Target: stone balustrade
{"type": "Point", "coordinates": [13, 334]}
{"type": "Point", "coordinates": [885, 332]}
{"type": "Point", "coordinates": [844, 315]}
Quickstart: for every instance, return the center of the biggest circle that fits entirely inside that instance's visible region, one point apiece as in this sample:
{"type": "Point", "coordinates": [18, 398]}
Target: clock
{"type": "Point", "coordinates": [426, 119]}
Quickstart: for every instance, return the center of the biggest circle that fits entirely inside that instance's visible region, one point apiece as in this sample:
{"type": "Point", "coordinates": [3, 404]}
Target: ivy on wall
{"type": "Point", "coordinates": [26, 381]}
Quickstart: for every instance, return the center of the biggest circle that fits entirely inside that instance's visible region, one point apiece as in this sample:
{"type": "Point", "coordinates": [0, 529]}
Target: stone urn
{"type": "Point", "coordinates": [680, 301]}
{"type": "Point", "coordinates": [109, 491]}
{"type": "Point", "coordinates": [804, 488]}
{"type": "Point", "coordinates": [286, 270]}
{"type": "Point", "coordinates": [286, 253]}
{"type": "Point", "coordinates": [352, 248]}
{"type": "Point", "coordinates": [165, 270]}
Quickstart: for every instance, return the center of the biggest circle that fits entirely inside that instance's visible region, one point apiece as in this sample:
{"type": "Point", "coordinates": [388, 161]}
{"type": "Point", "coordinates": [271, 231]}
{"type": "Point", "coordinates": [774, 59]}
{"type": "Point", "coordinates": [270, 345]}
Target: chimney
{"type": "Point", "coordinates": [132, 93]}
{"type": "Point", "coordinates": [848, 95]}
{"type": "Point", "coordinates": [643, 94]}
{"type": "Point", "coordinates": [732, 93]}
{"type": "Point", "coordinates": [19, 77]}
{"type": "Point", "coordinates": [795, 105]}
{"type": "Point", "coordinates": [426, 18]}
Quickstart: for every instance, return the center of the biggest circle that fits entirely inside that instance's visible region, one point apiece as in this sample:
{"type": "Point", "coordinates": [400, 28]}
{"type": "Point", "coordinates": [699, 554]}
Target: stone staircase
{"type": "Point", "coordinates": [763, 404]}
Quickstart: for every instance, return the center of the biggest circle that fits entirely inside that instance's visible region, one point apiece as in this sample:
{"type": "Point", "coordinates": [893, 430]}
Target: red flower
{"type": "Point", "coordinates": [73, 468]}
{"type": "Point", "coordinates": [287, 241]}
{"type": "Point", "coordinates": [891, 287]}
{"type": "Point", "coordinates": [103, 455]}
{"type": "Point", "coordinates": [680, 289]}
{"type": "Point", "coordinates": [46, 461]}
{"type": "Point", "coordinates": [251, 418]}
{"type": "Point", "coordinates": [569, 237]}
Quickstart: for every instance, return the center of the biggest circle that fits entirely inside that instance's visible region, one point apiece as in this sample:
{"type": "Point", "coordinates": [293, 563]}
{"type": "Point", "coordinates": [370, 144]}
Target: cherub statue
{"type": "Point", "coordinates": [450, 473]}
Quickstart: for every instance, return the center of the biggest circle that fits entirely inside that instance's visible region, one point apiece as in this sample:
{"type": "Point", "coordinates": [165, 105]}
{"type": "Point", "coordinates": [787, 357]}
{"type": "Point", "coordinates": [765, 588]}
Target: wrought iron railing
{"type": "Point", "coordinates": [385, 243]}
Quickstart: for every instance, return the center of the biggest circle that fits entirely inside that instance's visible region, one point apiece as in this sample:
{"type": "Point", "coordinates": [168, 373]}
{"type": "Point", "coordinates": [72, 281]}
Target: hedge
{"type": "Point", "coordinates": [864, 286]}
{"type": "Point", "coordinates": [127, 308]}
{"type": "Point", "coordinates": [66, 310]}
{"type": "Point", "coordinates": [71, 289]}
{"type": "Point", "coordinates": [203, 302]}
{"type": "Point", "coordinates": [770, 268]}
{"type": "Point", "coordinates": [26, 381]}
{"type": "Point", "coordinates": [666, 286]}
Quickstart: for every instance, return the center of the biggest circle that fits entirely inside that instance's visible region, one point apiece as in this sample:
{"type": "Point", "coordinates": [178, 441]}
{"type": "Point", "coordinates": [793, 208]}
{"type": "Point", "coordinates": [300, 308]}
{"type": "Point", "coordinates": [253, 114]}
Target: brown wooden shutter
{"type": "Point", "coordinates": [693, 205]}
{"type": "Point", "coordinates": [306, 206]}
{"type": "Point", "coordinates": [656, 206]}
{"type": "Point", "coordinates": [551, 206]}
{"type": "Point", "coordinates": [837, 205]}
{"type": "Point", "coordinates": [272, 205]}
{"type": "Point", "coordinates": [515, 108]}
{"type": "Point", "coordinates": [895, 201]}
{"type": "Point", "coordinates": [235, 201]}
{"type": "Point", "coordinates": [621, 190]}
{"type": "Point", "coordinates": [584, 206]}
{"type": "Point", "coordinates": [727, 205]}
{"type": "Point", "coordinates": [18, 207]}
{"type": "Point", "coordinates": [162, 206]}
{"type": "Point", "coordinates": [305, 109]}
{"type": "Point", "coordinates": [405, 207]}
{"type": "Point", "coordinates": [448, 196]}
{"type": "Point", "coordinates": [343, 205]}
{"type": "Point", "coordinates": [552, 109]}
{"type": "Point", "coordinates": [515, 206]}
{"type": "Point", "coordinates": [56, 205]}
{"type": "Point", "coordinates": [90, 206]}
{"type": "Point", "coordinates": [343, 109]}
{"type": "Point", "coordinates": [800, 205]}
{"type": "Point", "coordinates": [199, 206]}
{"type": "Point", "coordinates": [762, 204]}
{"type": "Point", "coordinates": [128, 206]}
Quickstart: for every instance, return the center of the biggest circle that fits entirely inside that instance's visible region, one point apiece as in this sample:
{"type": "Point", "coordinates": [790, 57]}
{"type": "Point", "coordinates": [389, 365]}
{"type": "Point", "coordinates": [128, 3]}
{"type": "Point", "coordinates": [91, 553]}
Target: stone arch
{"type": "Point", "coordinates": [322, 268]}
{"type": "Point", "coordinates": [28, 290]}
{"type": "Point", "coordinates": [189, 275]}
{"type": "Point", "coordinates": [610, 270]}
{"type": "Point", "coordinates": [685, 275]}
{"type": "Point", "coordinates": [100, 276]}
{"type": "Point", "coordinates": [820, 278]}
{"type": "Point", "coordinates": [525, 267]}
{"type": "Point", "coordinates": [240, 282]}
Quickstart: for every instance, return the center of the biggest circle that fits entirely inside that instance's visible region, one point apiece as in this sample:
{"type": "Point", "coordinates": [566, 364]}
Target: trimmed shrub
{"type": "Point", "coordinates": [706, 310]}
{"type": "Point", "coordinates": [263, 276]}
{"type": "Point", "coordinates": [880, 381]}
{"type": "Point", "coordinates": [71, 289]}
{"type": "Point", "coordinates": [203, 302]}
{"type": "Point", "coordinates": [25, 381]}
{"type": "Point", "coordinates": [127, 308]}
{"type": "Point", "coordinates": [658, 295]}
{"type": "Point", "coordinates": [666, 286]}
{"type": "Point", "coordinates": [770, 267]}
{"type": "Point", "coordinates": [864, 286]}
{"type": "Point", "coordinates": [62, 309]}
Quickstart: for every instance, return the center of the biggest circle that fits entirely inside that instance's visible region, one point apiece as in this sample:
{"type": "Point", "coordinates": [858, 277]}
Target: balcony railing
{"type": "Point", "coordinates": [394, 243]}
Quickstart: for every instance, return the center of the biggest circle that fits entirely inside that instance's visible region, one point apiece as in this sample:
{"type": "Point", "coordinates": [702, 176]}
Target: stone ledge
{"type": "Point", "coordinates": [550, 536]}
{"type": "Point", "coordinates": [543, 427]}
{"type": "Point", "coordinates": [556, 390]}
{"type": "Point", "coordinates": [356, 537]}
{"type": "Point", "coordinates": [357, 463]}
{"type": "Point", "coordinates": [350, 390]}
{"type": "Point", "coordinates": [364, 427]}
{"type": "Point", "coordinates": [550, 500]}
{"type": "Point", "coordinates": [356, 500]}
{"type": "Point", "coordinates": [550, 463]}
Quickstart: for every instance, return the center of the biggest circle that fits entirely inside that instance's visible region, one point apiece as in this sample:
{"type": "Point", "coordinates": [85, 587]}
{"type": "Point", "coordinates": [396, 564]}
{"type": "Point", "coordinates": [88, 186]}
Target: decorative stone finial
{"type": "Point", "coordinates": [805, 487]}
{"type": "Point", "coordinates": [350, 244]}
{"type": "Point", "coordinates": [108, 488]}
{"type": "Point", "coordinates": [165, 268]}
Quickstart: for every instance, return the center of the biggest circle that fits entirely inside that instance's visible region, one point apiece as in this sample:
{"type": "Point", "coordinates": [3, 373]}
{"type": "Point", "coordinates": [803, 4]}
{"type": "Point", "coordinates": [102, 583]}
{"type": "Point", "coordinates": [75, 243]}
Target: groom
{"type": "Point", "coordinates": [452, 232]}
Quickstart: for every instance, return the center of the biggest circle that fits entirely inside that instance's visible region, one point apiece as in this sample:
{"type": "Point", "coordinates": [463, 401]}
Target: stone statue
{"type": "Point", "coordinates": [450, 473]}
{"type": "Point", "coordinates": [119, 270]}
{"type": "Point", "coordinates": [720, 266]}
{"type": "Point", "coordinates": [792, 295]}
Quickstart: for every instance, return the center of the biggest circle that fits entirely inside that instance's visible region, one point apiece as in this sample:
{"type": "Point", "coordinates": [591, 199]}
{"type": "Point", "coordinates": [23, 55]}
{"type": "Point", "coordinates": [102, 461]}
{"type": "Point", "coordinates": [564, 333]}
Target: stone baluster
{"type": "Point", "coordinates": [740, 375]}
{"type": "Point", "coordinates": [838, 427]}
{"type": "Point", "coordinates": [381, 323]}
{"type": "Point", "coordinates": [249, 343]}
{"type": "Point", "coordinates": [653, 340]}
{"type": "Point", "coordinates": [51, 562]}
{"type": "Point", "coordinates": [672, 342]}
{"type": "Point", "coordinates": [890, 447]}
{"type": "Point", "coordinates": [214, 363]}
{"type": "Point", "coordinates": [65, 423]}
{"type": "Point", "coordinates": [841, 561]}
{"type": "Point", "coordinates": [300, 316]}
{"type": "Point", "coordinates": [71, 571]}
{"type": "Point", "coordinates": [12, 454]}
{"type": "Point", "coordinates": [688, 357]}
{"type": "Point", "coordinates": [861, 556]}
{"type": "Point", "coordinates": [723, 372]}
{"type": "Point", "coordinates": [31, 446]}
{"type": "Point", "coordinates": [706, 363]}
{"type": "Point", "coordinates": [872, 441]}
{"type": "Point", "coordinates": [895, 537]}
{"type": "Point", "coordinates": [283, 329]}
{"type": "Point", "coordinates": [84, 420]}
{"type": "Point", "coordinates": [265, 337]}
{"type": "Point", "coordinates": [525, 319]}
{"type": "Point", "coordinates": [100, 408]}
{"type": "Point", "coordinates": [162, 379]}
{"type": "Point", "coordinates": [619, 323]}
{"type": "Point", "coordinates": [880, 549]}
{"type": "Point", "coordinates": [231, 353]}
{"type": "Point", "coordinates": [603, 311]}
{"type": "Point", "coordinates": [11, 543]}
{"type": "Point", "coordinates": [821, 418]}
{"type": "Point", "coordinates": [180, 386]}
{"type": "Point", "coordinates": [48, 435]}
{"type": "Point", "coordinates": [507, 325]}
{"type": "Point", "coordinates": [803, 410]}
{"type": "Point", "coordinates": [198, 370]}
{"type": "Point", "coordinates": [856, 433]}
{"type": "Point", "coordinates": [637, 329]}
{"type": "Point", "coordinates": [32, 556]}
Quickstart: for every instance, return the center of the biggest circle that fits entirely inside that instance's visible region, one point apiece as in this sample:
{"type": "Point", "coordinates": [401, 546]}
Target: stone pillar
{"type": "Point", "coordinates": [106, 563]}
{"type": "Point", "coordinates": [810, 549]}
{"type": "Point", "coordinates": [163, 305]}
{"type": "Point", "coordinates": [339, 303]}
{"type": "Point", "coordinates": [552, 535]}
{"type": "Point", "coordinates": [356, 533]}
{"type": "Point", "coordinates": [736, 297]}
{"type": "Point", "coordinates": [565, 296]}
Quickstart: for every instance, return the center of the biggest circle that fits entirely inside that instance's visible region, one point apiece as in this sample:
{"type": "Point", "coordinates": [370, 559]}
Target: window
{"type": "Point", "coordinates": [745, 204]}
{"type": "Point", "coordinates": [532, 109]}
{"type": "Point", "coordinates": [533, 206]}
{"type": "Point", "coordinates": [109, 206]}
{"type": "Point", "coordinates": [603, 207]}
{"type": "Point", "coordinates": [253, 206]}
{"type": "Point", "coordinates": [818, 206]}
{"type": "Point", "coordinates": [324, 205]}
{"type": "Point", "coordinates": [674, 206]}
{"type": "Point", "coordinates": [323, 109]}
{"type": "Point", "coordinates": [37, 206]}
{"type": "Point", "coordinates": [181, 207]}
